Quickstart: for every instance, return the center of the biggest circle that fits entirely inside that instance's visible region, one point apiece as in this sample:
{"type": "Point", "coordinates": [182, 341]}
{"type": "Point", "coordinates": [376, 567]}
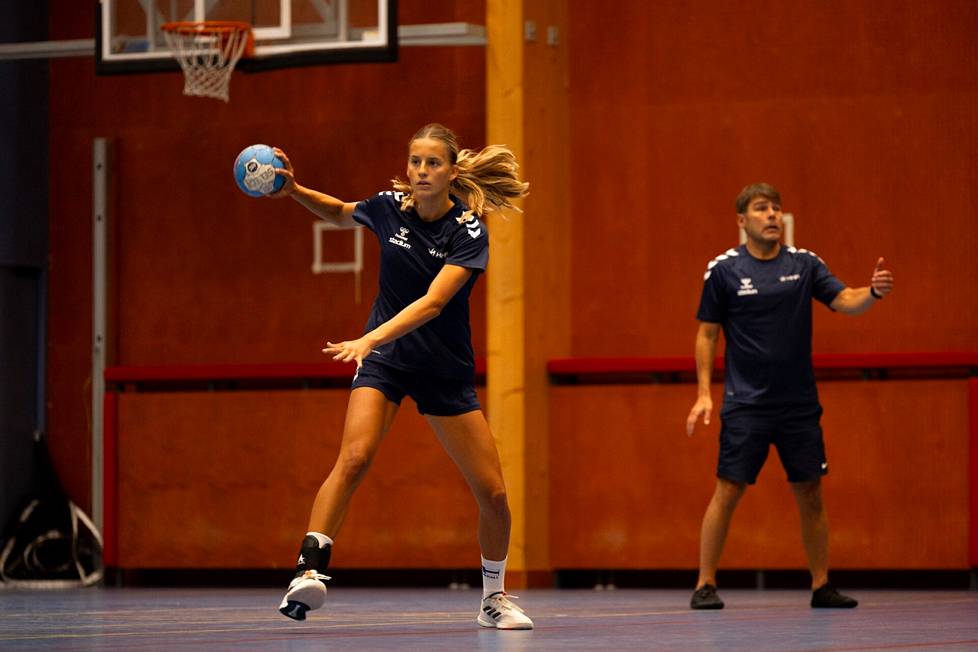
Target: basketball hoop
{"type": "Point", "coordinates": [208, 51]}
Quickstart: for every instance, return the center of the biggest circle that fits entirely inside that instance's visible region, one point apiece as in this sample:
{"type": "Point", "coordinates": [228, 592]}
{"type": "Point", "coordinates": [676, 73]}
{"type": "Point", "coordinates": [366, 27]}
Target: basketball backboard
{"type": "Point", "coordinates": [286, 32]}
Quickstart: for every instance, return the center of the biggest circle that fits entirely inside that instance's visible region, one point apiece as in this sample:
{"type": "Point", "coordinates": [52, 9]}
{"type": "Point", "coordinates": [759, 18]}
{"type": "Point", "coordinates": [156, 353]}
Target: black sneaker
{"type": "Point", "coordinates": [706, 597]}
{"type": "Point", "coordinates": [827, 597]}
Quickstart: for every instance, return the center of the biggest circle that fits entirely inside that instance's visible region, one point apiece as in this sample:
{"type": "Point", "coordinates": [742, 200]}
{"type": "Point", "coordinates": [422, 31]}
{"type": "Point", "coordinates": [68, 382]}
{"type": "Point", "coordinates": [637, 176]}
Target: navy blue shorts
{"type": "Point", "coordinates": [747, 432]}
{"type": "Point", "coordinates": [434, 395]}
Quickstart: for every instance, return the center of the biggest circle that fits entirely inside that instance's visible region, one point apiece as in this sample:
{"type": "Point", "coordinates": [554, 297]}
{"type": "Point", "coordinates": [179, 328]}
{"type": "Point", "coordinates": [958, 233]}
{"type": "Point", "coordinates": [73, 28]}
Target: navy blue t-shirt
{"type": "Point", "coordinates": [412, 252]}
{"type": "Point", "coordinates": [765, 307]}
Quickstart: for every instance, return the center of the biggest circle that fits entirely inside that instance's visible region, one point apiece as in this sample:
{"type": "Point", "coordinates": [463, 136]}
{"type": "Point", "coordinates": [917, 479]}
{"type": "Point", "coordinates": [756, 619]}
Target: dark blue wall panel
{"type": "Point", "coordinates": [23, 249]}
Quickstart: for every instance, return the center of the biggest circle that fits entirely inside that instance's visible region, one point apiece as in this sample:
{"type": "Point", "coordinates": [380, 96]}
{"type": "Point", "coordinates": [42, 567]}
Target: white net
{"type": "Point", "coordinates": [207, 52]}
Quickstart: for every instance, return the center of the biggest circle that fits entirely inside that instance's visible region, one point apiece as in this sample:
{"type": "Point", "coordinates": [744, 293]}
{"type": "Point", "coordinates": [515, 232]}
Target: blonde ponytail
{"type": "Point", "coordinates": [487, 180]}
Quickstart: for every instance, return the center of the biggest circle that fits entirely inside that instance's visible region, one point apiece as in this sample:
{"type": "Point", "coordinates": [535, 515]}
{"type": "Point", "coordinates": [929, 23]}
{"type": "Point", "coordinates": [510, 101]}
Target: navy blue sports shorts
{"type": "Point", "coordinates": [748, 431]}
{"type": "Point", "coordinates": [434, 395]}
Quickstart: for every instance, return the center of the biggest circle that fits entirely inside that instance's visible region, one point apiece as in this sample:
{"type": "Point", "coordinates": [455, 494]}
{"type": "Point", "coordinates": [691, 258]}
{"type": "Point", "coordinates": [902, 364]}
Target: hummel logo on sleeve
{"type": "Point", "coordinates": [398, 195]}
{"type": "Point", "coordinates": [810, 253]}
{"type": "Point", "coordinates": [471, 222]}
{"type": "Point", "coordinates": [713, 263]}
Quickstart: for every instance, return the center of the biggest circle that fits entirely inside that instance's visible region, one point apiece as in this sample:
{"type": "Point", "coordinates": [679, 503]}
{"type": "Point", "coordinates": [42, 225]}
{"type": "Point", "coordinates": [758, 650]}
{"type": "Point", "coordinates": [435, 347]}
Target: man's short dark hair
{"type": "Point", "coordinates": [765, 190]}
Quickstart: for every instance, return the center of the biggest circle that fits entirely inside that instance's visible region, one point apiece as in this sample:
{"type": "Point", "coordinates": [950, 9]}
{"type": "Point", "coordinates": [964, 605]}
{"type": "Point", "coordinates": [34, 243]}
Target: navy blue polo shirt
{"type": "Point", "coordinates": [412, 252]}
{"type": "Point", "coordinates": [765, 308]}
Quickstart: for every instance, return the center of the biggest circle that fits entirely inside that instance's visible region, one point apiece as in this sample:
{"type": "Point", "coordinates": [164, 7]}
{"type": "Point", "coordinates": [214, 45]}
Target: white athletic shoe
{"type": "Point", "coordinates": [499, 611]}
{"type": "Point", "coordinates": [306, 592]}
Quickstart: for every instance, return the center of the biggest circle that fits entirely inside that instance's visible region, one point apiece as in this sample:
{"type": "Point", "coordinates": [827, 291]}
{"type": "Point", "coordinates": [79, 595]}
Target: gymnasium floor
{"type": "Point", "coordinates": [441, 619]}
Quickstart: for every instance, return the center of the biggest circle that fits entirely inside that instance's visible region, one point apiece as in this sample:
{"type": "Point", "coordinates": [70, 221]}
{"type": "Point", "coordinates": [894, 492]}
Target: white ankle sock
{"type": "Point", "coordinates": [321, 538]}
{"type": "Point", "coordinates": [493, 574]}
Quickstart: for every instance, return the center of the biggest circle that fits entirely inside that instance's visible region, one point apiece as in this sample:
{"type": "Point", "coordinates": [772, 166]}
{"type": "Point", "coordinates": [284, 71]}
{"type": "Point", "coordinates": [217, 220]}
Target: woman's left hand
{"type": "Point", "coordinates": [351, 351]}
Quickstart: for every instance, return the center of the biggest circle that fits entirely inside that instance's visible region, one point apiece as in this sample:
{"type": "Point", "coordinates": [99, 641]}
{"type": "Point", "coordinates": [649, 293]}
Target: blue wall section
{"type": "Point", "coordinates": [23, 249]}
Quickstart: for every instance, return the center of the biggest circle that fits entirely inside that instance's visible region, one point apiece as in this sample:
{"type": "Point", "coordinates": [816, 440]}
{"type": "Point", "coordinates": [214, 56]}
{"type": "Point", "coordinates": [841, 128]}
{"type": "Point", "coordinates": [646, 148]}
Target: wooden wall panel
{"type": "Point", "coordinates": [547, 235]}
{"type": "Point", "coordinates": [629, 488]}
{"type": "Point", "coordinates": [627, 485]}
{"type": "Point", "coordinates": [227, 479]}
{"type": "Point", "coordinates": [905, 446]}
{"type": "Point", "coordinates": [857, 113]}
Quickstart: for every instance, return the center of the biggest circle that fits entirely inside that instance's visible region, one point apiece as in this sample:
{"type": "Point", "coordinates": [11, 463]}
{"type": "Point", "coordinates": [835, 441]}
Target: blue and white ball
{"type": "Point", "coordinates": [254, 171]}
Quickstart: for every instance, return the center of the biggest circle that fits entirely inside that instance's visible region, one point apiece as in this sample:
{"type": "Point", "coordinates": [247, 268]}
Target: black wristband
{"type": "Point", "coordinates": [876, 295]}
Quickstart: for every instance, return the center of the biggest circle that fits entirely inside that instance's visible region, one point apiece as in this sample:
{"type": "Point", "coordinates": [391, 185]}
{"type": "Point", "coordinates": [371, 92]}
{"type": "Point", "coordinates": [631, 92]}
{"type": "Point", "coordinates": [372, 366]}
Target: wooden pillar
{"type": "Point", "coordinates": [529, 271]}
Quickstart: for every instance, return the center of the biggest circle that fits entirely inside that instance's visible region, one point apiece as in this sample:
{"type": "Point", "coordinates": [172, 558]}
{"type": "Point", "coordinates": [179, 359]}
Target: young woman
{"type": "Point", "coordinates": [418, 343]}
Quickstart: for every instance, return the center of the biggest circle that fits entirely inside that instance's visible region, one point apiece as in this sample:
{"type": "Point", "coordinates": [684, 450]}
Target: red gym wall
{"type": "Point", "coordinates": [863, 116]}
{"type": "Point", "coordinates": [861, 113]}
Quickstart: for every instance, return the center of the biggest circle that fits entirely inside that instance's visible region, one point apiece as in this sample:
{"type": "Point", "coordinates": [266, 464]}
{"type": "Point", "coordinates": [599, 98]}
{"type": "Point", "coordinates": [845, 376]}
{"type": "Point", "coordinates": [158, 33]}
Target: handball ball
{"type": "Point", "coordinates": [254, 171]}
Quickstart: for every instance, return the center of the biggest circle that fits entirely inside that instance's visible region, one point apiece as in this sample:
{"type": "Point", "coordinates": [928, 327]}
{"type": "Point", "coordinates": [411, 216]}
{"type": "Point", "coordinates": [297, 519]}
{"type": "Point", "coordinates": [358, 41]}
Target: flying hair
{"type": "Point", "coordinates": [487, 179]}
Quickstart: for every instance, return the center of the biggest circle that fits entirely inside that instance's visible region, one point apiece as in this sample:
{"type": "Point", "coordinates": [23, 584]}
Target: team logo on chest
{"type": "Point", "coordinates": [400, 238]}
{"type": "Point", "coordinates": [746, 287]}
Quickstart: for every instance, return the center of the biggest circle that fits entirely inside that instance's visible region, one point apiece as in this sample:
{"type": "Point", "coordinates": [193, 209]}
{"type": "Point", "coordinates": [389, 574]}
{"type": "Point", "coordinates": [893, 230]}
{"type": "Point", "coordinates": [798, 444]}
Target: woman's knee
{"type": "Point", "coordinates": [352, 465]}
{"type": "Point", "coordinates": [495, 503]}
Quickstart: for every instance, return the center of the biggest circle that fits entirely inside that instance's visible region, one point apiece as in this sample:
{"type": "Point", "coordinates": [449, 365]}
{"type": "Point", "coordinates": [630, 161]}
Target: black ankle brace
{"type": "Point", "coordinates": [312, 557]}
